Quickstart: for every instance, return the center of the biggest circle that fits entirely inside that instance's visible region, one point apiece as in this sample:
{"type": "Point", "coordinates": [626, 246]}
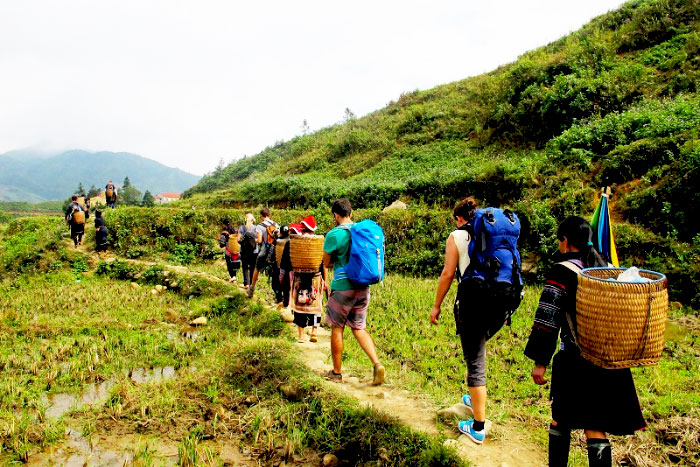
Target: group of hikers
{"type": "Point", "coordinates": [78, 212]}
{"type": "Point", "coordinates": [584, 396]}
{"type": "Point", "coordinates": [251, 247]}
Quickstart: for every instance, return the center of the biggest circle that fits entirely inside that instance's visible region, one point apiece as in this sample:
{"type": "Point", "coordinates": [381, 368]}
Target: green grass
{"type": "Point", "coordinates": [63, 330]}
{"type": "Point", "coordinates": [427, 359]}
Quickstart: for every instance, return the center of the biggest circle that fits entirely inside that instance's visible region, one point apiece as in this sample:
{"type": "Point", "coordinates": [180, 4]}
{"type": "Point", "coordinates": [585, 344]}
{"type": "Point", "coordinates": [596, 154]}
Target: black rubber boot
{"type": "Point", "coordinates": [559, 441]}
{"type": "Point", "coordinates": [599, 452]}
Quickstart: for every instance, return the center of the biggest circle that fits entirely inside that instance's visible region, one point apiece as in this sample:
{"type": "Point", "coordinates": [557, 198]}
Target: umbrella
{"type": "Point", "coordinates": [603, 238]}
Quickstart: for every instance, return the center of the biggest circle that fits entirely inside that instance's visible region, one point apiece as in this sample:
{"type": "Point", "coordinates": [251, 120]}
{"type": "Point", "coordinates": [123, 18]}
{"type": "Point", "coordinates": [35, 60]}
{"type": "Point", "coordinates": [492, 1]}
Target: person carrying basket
{"type": "Point", "coordinates": [584, 396]}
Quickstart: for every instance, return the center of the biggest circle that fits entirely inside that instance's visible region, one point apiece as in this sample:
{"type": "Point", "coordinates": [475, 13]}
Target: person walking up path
{"type": "Point", "coordinates": [101, 233]}
{"type": "Point", "coordinates": [228, 239]}
{"type": "Point", "coordinates": [348, 303]}
{"type": "Point", "coordinates": [75, 217]}
{"type": "Point", "coordinates": [584, 396]}
{"type": "Point", "coordinates": [472, 336]}
{"type": "Point", "coordinates": [110, 194]}
{"type": "Point", "coordinates": [265, 243]}
{"type": "Point", "coordinates": [247, 238]}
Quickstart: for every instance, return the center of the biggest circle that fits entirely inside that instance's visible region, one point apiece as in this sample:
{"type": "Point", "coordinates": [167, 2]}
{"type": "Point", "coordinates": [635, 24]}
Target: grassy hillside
{"type": "Point", "coordinates": [615, 103]}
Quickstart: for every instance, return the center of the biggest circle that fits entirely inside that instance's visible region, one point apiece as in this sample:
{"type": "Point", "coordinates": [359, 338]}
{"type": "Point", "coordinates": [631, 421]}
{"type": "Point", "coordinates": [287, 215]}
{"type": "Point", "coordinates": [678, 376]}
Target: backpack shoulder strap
{"type": "Point", "coordinates": [570, 265]}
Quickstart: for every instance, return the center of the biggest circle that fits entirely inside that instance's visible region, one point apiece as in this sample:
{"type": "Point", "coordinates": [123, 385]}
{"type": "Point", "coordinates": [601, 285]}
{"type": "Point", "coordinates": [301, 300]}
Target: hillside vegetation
{"type": "Point", "coordinates": [615, 103]}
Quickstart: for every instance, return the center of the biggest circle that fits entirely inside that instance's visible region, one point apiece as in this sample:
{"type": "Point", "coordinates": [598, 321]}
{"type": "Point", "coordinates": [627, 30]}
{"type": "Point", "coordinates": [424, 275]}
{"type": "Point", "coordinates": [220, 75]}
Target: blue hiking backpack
{"type": "Point", "coordinates": [493, 282]}
{"type": "Point", "coordinates": [366, 264]}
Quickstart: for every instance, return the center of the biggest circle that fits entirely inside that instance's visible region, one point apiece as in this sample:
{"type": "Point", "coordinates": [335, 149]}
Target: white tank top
{"type": "Point", "coordinates": [461, 239]}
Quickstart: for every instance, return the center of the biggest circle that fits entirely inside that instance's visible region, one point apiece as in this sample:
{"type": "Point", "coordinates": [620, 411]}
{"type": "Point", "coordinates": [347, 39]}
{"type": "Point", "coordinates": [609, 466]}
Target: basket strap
{"type": "Point", "coordinates": [572, 327]}
{"type": "Point", "coordinates": [645, 331]}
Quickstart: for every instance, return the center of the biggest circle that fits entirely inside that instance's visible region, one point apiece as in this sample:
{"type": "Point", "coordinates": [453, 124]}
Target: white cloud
{"type": "Point", "coordinates": [187, 83]}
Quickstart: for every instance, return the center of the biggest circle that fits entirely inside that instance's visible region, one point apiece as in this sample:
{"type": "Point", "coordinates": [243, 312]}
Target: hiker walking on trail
{"type": "Point", "coordinates": [584, 396]}
{"type": "Point", "coordinates": [348, 302]}
{"type": "Point", "coordinates": [101, 233]}
{"type": "Point", "coordinates": [110, 194]}
{"type": "Point", "coordinates": [248, 240]}
{"type": "Point", "coordinates": [307, 289]}
{"type": "Point", "coordinates": [228, 239]}
{"type": "Point", "coordinates": [472, 337]}
{"type": "Point", "coordinates": [75, 217]}
{"type": "Point", "coordinates": [268, 230]}
{"type": "Point", "coordinates": [286, 270]}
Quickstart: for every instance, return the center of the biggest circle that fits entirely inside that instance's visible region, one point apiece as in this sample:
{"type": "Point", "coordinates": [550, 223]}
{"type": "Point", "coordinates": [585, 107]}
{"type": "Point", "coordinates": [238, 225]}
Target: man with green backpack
{"type": "Point", "coordinates": [356, 253]}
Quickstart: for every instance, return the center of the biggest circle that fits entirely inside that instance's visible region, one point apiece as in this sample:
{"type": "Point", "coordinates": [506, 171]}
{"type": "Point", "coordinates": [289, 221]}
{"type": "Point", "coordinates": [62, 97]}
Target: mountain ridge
{"type": "Point", "coordinates": [30, 175]}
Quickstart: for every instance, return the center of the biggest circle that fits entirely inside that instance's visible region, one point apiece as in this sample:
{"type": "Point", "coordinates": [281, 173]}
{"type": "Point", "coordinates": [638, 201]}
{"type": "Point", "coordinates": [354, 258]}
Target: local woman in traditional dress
{"type": "Point", "coordinates": [584, 396]}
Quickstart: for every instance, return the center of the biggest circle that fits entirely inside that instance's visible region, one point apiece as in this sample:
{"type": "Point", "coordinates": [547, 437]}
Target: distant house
{"type": "Point", "coordinates": [165, 198]}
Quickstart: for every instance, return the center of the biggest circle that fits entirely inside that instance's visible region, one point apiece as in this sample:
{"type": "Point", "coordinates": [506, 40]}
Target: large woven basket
{"type": "Point", "coordinates": [306, 252]}
{"type": "Point", "coordinates": [621, 324]}
{"type": "Point", "coordinates": [279, 250]}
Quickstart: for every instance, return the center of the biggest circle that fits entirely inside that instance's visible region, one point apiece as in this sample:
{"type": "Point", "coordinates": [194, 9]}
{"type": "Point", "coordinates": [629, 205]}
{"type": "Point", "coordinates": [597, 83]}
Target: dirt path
{"type": "Point", "coordinates": [508, 448]}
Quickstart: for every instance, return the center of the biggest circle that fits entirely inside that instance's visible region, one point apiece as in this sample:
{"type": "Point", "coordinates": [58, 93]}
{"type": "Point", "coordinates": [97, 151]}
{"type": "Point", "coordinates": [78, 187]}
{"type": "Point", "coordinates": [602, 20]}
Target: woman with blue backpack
{"type": "Point", "coordinates": [472, 338]}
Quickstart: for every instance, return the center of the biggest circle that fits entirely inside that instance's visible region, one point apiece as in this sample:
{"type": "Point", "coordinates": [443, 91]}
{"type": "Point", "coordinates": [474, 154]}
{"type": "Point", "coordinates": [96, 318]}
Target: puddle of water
{"type": "Point", "coordinates": [78, 451]}
{"type": "Point", "coordinates": [156, 375]}
{"type": "Point", "coordinates": [188, 334]}
{"type": "Point", "coordinates": [62, 403]}
{"type": "Point", "coordinates": [95, 395]}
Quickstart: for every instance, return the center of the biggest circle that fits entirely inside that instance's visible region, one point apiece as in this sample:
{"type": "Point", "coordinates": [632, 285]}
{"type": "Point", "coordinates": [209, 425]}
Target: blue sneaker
{"type": "Point", "coordinates": [467, 400]}
{"type": "Point", "coordinates": [467, 427]}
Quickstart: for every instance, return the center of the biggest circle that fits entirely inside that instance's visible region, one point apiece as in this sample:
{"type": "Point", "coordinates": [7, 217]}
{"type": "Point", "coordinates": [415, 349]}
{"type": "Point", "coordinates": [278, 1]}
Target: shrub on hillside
{"type": "Point", "coordinates": [34, 244]}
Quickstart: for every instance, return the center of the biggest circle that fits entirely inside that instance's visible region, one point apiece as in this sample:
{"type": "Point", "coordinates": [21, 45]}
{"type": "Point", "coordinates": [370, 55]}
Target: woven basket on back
{"type": "Point", "coordinates": [621, 324]}
{"type": "Point", "coordinates": [279, 249]}
{"type": "Point", "coordinates": [306, 252]}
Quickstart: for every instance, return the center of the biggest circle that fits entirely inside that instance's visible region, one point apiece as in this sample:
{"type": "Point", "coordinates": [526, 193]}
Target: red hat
{"type": "Point", "coordinates": [310, 223]}
{"type": "Point", "coordinates": [295, 229]}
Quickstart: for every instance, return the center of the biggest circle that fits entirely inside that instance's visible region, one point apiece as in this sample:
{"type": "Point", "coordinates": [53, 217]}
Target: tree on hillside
{"type": "Point", "coordinates": [93, 191]}
{"type": "Point", "coordinates": [348, 115]}
{"type": "Point", "coordinates": [80, 191]}
{"type": "Point", "coordinates": [129, 195]}
{"type": "Point", "coordinates": [305, 127]}
{"type": "Point", "coordinates": [148, 200]}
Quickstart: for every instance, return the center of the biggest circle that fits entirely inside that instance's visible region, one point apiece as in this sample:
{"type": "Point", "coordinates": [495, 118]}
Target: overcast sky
{"type": "Point", "coordinates": [188, 83]}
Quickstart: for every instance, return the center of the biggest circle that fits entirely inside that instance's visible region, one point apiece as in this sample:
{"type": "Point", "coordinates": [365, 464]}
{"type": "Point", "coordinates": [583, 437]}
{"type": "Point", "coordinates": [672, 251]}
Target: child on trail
{"type": "Point", "coordinates": [75, 217]}
{"type": "Point", "coordinates": [307, 292]}
{"type": "Point", "coordinates": [584, 396]}
{"type": "Point", "coordinates": [348, 303]}
{"type": "Point", "coordinates": [247, 238]}
{"type": "Point", "coordinates": [473, 337]}
{"type": "Point", "coordinates": [100, 233]}
{"type": "Point", "coordinates": [228, 239]}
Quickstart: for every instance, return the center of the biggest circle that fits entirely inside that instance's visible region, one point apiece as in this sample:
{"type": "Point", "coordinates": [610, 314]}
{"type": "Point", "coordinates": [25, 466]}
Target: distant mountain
{"type": "Point", "coordinates": [29, 175]}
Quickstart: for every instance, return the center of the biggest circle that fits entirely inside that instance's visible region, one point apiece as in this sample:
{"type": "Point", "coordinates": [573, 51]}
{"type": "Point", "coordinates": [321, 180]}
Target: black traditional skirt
{"type": "Point", "coordinates": [586, 396]}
